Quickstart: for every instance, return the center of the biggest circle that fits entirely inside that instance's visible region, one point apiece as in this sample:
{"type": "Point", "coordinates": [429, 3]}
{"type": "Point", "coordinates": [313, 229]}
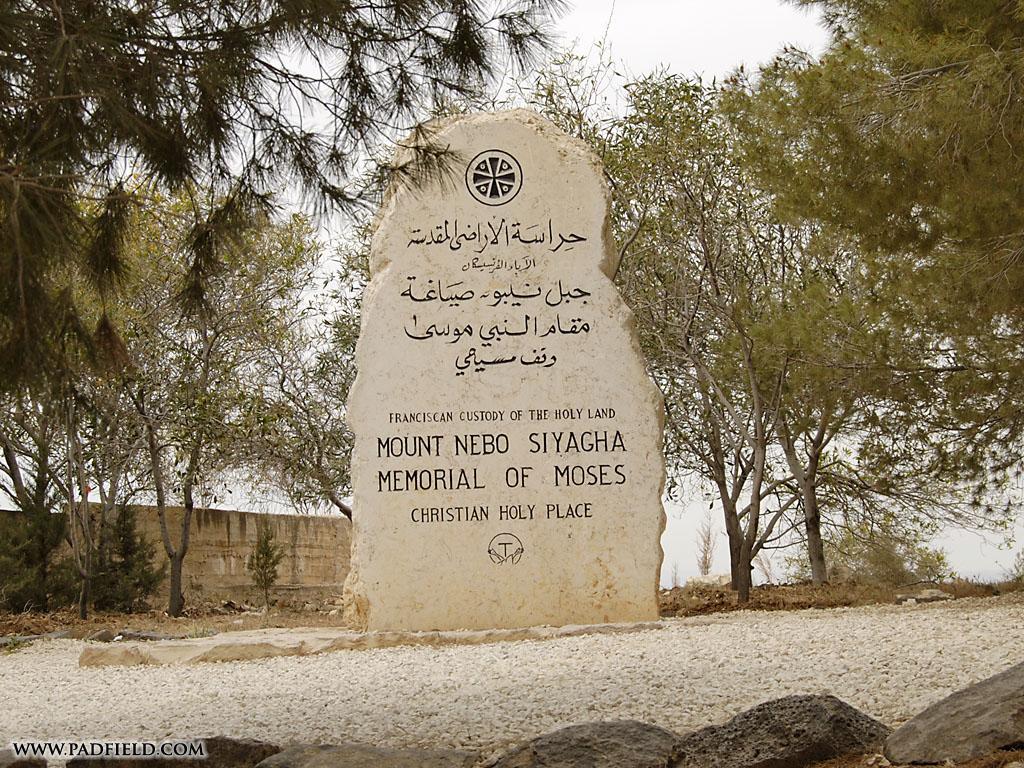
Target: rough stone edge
{"type": "Point", "coordinates": [437, 130]}
{"type": "Point", "coordinates": [200, 650]}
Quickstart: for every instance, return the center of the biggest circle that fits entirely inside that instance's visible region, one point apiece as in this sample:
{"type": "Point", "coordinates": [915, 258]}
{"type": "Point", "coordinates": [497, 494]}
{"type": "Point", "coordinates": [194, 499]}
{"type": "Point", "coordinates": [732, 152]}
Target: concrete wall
{"type": "Point", "coordinates": [315, 564]}
{"type": "Point", "coordinates": [316, 552]}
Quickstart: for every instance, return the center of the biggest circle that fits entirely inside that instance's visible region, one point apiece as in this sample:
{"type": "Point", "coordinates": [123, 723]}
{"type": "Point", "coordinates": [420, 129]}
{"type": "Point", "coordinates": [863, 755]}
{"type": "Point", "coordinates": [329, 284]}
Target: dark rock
{"type": "Point", "coordinates": [16, 640]}
{"type": "Point", "coordinates": [221, 752]}
{"type": "Point", "coordinates": [102, 636]}
{"type": "Point", "coordinates": [784, 733]}
{"type": "Point", "coordinates": [969, 723]}
{"type": "Point", "coordinates": [230, 607]}
{"type": "Point", "coordinates": [617, 744]}
{"type": "Point", "coordinates": [134, 634]}
{"type": "Point", "coordinates": [359, 756]}
{"type": "Point", "coordinates": [9, 760]}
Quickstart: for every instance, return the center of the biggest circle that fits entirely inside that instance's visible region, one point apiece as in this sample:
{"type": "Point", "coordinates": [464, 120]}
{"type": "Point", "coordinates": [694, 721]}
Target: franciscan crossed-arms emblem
{"type": "Point", "coordinates": [505, 548]}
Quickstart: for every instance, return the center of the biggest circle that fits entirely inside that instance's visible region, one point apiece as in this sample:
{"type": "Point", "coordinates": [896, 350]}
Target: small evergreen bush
{"type": "Point", "coordinates": [123, 571]}
{"type": "Point", "coordinates": [262, 563]}
{"type": "Point", "coordinates": [33, 572]}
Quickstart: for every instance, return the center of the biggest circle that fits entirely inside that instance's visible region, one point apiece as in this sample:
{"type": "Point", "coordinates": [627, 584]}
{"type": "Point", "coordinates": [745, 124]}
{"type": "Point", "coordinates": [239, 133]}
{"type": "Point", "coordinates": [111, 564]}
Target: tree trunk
{"type": "Point", "coordinates": [176, 604]}
{"type": "Point", "coordinates": [815, 545]}
{"type": "Point", "coordinates": [742, 577]}
{"type": "Point", "coordinates": [812, 524]}
{"type": "Point", "coordinates": [734, 533]}
{"type": "Point", "coordinates": [807, 481]}
{"type": "Point", "coordinates": [79, 513]}
{"type": "Point", "coordinates": [335, 499]}
{"type": "Point", "coordinates": [83, 597]}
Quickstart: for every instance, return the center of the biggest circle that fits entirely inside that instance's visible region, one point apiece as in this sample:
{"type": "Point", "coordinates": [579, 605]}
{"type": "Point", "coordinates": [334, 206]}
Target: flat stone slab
{"type": "Point", "coordinates": [923, 596]}
{"type": "Point", "coordinates": [266, 643]}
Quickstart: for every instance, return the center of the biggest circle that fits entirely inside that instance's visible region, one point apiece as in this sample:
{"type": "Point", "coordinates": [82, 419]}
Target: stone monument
{"type": "Point", "coordinates": [507, 469]}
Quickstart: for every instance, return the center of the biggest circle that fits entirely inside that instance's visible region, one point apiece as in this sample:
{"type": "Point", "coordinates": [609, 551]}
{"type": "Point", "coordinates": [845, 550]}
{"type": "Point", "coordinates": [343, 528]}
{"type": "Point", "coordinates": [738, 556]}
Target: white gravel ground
{"type": "Point", "coordinates": [889, 661]}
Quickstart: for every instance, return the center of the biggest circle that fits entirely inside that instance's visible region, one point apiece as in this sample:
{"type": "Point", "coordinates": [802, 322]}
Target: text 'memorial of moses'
{"type": "Point", "coordinates": [507, 469]}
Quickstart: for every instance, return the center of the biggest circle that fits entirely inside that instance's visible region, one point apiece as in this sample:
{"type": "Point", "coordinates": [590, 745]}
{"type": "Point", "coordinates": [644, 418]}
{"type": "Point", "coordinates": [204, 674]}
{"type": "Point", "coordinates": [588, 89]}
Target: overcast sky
{"type": "Point", "coordinates": [692, 36]}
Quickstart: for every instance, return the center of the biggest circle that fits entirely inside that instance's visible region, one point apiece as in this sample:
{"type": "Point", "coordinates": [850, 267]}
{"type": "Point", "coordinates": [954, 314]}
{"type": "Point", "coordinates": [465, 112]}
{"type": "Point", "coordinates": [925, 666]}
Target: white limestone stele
{"type": "Point", "coordinates": [507, 469]}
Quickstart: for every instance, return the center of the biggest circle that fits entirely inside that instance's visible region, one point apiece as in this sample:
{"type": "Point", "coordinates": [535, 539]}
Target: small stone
{"type": "Point", "coordinates": [923, 596]}
{"type": "Point", "coordinates": [134, 634]}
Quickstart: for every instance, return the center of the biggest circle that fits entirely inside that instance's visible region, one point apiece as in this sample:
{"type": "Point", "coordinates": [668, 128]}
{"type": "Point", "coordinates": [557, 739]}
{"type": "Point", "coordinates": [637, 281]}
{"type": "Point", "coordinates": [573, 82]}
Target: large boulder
{"type": "Point", "coordinates": [221, 752]}
{"type": "Point", "coordinates": [617, 744]}
{"type": "Point", "coordinates": [360, 756]}
{"type": "Point", "coordinates": [785, 733]}
{"type": "Point", "coordinates": [971, 722]}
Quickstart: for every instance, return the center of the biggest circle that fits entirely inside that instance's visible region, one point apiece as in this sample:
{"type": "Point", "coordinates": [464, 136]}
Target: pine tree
{"type": "Point", "coordinates": [263, 561]}
{"type": "Point", "coordinates": [125, 572]}
{"type": "Point", "coordinates": [34, 573]}
{"type": "Point", "coordinates": [762, 333]}
{"type": "Point", "coordinates": [904, 137]}
{"type": "Point", "coordinates": [229, 96]}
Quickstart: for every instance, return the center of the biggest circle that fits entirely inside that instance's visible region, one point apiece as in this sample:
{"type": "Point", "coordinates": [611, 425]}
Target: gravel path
{"type": "Point", "coordinates": [889, 661]}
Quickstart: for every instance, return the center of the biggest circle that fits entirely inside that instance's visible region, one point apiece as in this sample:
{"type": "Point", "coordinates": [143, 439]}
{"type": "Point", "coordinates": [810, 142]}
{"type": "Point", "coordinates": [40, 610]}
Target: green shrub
{"type": "Point", "coordinates": [1016, 572]}
{"type": "Point", "coordinates": [878, 556]}
{"type": "Point", "coordinates": [123, 571]}
{"type": "Point", "coordinates": [33, 573]}
{"type": "Point", "coordinates": [262, 563]}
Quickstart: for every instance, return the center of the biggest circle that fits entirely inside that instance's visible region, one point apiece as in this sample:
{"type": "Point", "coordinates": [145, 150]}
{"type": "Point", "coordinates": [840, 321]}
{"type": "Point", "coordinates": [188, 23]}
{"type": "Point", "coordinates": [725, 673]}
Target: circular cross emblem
{"type": "Point", "coordinates": [494, 177]}
{"type": "Point", "coordinates": [505, 548]}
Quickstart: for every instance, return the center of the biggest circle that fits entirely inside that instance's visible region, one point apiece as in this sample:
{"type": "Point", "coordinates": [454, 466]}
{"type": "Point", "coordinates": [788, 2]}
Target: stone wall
{"type": "Point", "coordinates": [315, 564]}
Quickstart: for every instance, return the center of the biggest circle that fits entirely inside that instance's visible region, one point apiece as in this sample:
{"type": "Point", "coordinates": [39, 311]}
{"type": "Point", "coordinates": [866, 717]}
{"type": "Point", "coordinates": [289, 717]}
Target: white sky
{"type": "Point", "coordinates": [705, 37]}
